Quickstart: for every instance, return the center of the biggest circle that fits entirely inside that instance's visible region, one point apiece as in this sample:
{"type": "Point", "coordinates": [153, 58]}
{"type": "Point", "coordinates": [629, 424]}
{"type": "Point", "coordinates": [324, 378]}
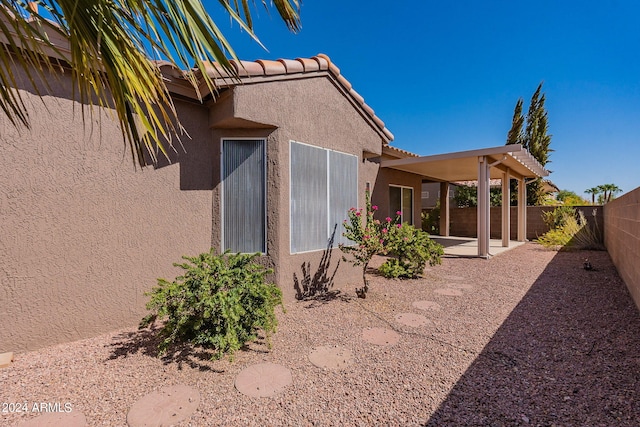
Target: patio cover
{"type": "Point", "coordinates": [505, 162]}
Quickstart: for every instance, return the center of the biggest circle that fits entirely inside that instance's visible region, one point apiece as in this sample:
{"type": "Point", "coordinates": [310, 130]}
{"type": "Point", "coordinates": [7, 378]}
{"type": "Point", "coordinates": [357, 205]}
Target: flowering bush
{"type": "Point", "coordinates": [409, 247]}
{"type": "Point", "coordinates": [369, 237]}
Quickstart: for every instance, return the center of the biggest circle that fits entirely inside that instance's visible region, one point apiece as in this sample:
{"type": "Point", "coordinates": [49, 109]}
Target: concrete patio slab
{"type": "Point", "coordinates": [468, 246]}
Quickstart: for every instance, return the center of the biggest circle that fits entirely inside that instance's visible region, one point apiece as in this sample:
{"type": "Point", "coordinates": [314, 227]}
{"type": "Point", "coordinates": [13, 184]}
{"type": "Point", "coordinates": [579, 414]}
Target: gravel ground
{"type": "Point", "coordinates": [534, 339]}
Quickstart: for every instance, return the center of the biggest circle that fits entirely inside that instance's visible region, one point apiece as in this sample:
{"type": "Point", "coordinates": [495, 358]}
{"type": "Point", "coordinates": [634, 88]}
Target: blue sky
{"type": "Point", "coordinates": [445, 76]}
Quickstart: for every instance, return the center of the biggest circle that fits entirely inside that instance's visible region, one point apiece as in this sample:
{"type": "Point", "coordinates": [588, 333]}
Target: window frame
{"type": "Point", "coordinates": [264, 189]}
{"type": "Point", "coordinates": [392, 213]}
{"type": "Point", "coordinates": [328, 194]}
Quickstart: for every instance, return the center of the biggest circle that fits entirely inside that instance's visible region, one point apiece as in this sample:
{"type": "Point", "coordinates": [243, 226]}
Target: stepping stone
{"type": "Point", "coordinates": [449, 292]}
{"type": "Point", "coordinates": [330, 357]}
{"type": "Point", "coordinates": [57, 419]}
{"type": "Point", "coordinates": [263, 380]}
{"type": "Point", "coordinates": [464, 286]}
{"type": "Point", "coordinates": [459, 278]}
{"type": "Point", "coordinates": [6, 359]}
{"type": "Point", "coordinates": [412, 319]}
{"type": "Point", "coordinates": [426, 305]}
{"type": "Point", "coordinates": [380, 336]}
{"type": "Point", "coordinates": [164, 407]}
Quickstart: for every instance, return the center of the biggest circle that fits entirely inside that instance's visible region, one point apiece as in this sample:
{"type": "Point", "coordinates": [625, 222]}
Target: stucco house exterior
{"type": "Point", "coordinates": [272, 165]}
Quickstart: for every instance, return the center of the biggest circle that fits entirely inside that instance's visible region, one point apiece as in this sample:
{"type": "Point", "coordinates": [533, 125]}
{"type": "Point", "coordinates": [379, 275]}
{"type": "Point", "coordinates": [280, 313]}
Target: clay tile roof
{"type": "Point", "coordinates": [272, 67]}
{"type": "Point", "coordinates": [281, 68]}
{"type": "Point", "coordinates": [292, 66]}
{"type": "Point", "coordinates": [323, 61]}
{"type": "Point", "coordinates": [247, 68]}
{"type": "Point", "coordinates": [309, 64]}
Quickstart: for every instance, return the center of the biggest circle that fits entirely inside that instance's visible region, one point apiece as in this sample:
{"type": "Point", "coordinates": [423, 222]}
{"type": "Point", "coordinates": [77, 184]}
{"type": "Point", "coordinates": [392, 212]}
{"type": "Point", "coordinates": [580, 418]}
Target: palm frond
{"type": "Point", "coordinates": [109, 48]}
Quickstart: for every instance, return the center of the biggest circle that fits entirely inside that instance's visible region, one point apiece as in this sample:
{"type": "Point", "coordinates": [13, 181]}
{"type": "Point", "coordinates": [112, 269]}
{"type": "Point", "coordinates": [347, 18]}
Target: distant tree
{"type": "Point", "coordinates": [570, 198]}
{"type": "Point", "coordinates": [535, 138]}
{"type": "Point", "coordinates": [516, 133]}
{"type": "Point", "coordinates": [609, 191]}
{"type": "Point", "coordinates": [466, 196]}
{"type": "Point", "coordinates": [594, 191]}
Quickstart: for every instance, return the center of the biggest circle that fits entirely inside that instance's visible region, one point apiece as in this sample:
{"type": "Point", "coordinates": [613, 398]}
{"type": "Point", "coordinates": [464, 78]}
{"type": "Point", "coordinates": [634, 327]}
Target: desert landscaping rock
{"type": "Point", "coordinates": [57, 419]}
{"type": "Point", "coordinates": [539, 339]}
{"type": "Point", "coordinates": [412, 319]}
{"type": "Point", "coordinates": [449, 292]}
{"type": "Point", "coordinates": [380, 336]}
{"type": "Point", "coordinates": [426, 305]}
{"type": "Point", "coordinates": [330, 357]}
{"type": "Point", "coordinates": [166, 407]}
{"type": "Point", "coordinates": [263, 380]}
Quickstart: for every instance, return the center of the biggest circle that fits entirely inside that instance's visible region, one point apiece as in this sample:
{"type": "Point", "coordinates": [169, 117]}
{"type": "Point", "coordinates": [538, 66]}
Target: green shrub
{"type": "Point", "coordinates": [410, 249]}
{"type": "Point", "coordinates": [219, 303]}
{"type": "Point", "coordinates": [558, 217]}
{"type": "Point", "coordinates": [431, 220]}
{"type": "Point", "coordinates": [571, 232]}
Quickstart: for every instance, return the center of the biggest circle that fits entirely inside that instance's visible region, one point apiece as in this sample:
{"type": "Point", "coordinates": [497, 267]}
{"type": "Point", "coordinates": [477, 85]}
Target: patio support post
{"type": "Point", "coordinates": [522, 210]}
{"type": "Point", "coordinates": [506, 208]}
{"type": "Point", "coordinates": [444, 209]}
{"type": "Point", "coordinates": [483, 207]}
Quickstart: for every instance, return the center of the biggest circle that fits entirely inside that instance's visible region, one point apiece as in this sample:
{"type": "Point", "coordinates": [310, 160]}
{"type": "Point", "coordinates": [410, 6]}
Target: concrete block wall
{"type": "Point", "coordinates": [622, 238]}
{"type": "Point", "coordinates": [463, 221]}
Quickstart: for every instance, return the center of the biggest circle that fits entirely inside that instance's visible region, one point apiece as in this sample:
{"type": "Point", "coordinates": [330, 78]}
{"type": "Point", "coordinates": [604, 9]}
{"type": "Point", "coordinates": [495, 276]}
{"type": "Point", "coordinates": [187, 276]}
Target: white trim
{"type": "Point", "coordinates": [266, 199]}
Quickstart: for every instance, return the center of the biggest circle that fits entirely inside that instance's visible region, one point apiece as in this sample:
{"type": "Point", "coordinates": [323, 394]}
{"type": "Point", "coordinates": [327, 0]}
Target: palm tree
{"type": "Point", "coordinates": [609, 191]}
{"type": "Point", "coordinates": [111, 48]}
{"type": "Point", "coordinates": [594, 191]}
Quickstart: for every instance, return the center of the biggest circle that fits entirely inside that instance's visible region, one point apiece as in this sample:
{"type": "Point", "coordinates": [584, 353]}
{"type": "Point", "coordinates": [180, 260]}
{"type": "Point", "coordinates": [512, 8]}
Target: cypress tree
{"type": "Point", "coordinates": [535, 138]}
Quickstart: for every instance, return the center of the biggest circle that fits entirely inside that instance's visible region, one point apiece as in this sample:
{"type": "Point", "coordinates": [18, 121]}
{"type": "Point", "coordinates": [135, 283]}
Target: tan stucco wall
{"type": "Point", "coordinates": [84, 234]}
{"type": "Point", "coordinates": [622, 238]}
{"type": "Point", "coordinates": [315, 112]}
{"type": "Point", "coordinates": [380, 195]}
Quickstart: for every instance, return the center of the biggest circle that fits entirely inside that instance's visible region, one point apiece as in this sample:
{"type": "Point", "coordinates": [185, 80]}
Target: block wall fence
{"type": "Point", "coordinates": [618, 220]}
{"type": "Point", "coordinates": [464, 220]}
{"type": "Point", "coordinates": [622, 238]}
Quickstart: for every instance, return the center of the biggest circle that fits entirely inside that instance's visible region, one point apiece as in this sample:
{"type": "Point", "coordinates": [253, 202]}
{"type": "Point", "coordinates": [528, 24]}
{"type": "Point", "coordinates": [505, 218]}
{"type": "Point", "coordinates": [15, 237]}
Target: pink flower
{"type": "Point", "coordinates": [388, 219]}
{"type": "Point", "coordinates": [398, 213]}
{"type": "Point", "coordinates": [358, 213]}
{"type": "Point", "coordinates": [399, 225]}
{"type": "Point", "coordinates": [374, 207]}
{"type": "Point", "coordinates": [384, 230]}
{"type": "Point", "coordinates": [376, 222]}
{"type": "Point", "coordinates": [406, 238]}
{"type": "Point", "coordinates": [381, 241]}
